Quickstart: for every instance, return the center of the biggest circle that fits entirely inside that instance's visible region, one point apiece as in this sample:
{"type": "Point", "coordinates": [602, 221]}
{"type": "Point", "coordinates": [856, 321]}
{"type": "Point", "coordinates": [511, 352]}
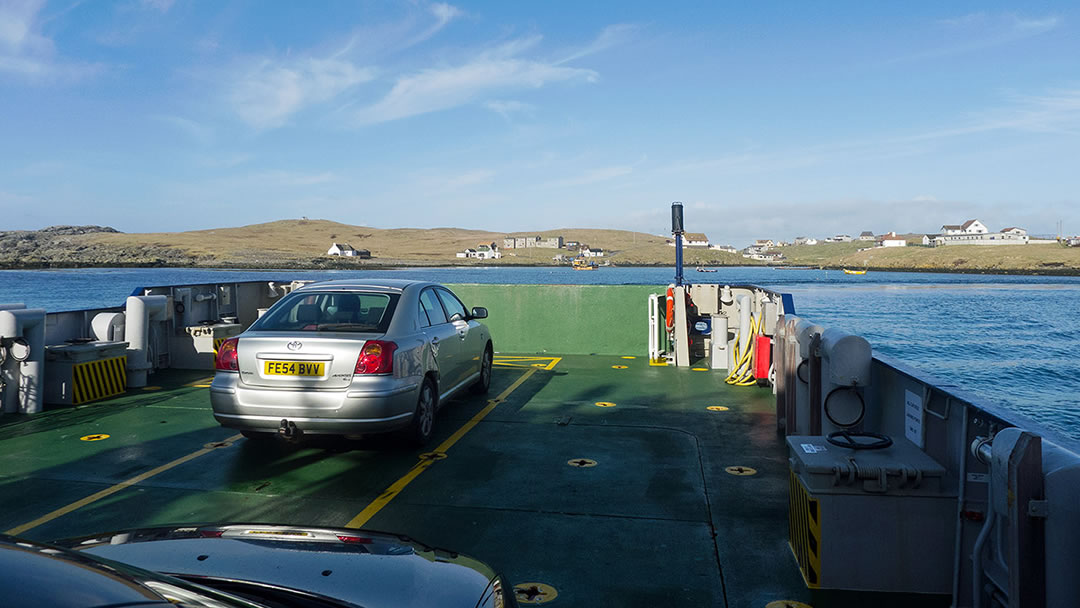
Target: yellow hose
{"type": "Point", "coordinates": [742, 374]}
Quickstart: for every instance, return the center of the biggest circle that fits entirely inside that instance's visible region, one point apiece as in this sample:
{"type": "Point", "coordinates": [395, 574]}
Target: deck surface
{"type": "Point", "coordinates": [656, 522]}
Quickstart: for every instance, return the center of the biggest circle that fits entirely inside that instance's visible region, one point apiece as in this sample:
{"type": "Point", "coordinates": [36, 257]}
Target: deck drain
{"type": "Point", "coordinates": [534, 593]}
{"type": "Point", "coordinates": [787, 604]}
{"type": "Point", "coordinates": [718, 408]}
{"type": "Point", "coordinates": [433, 456]}
{"type": "Point", "coordinates": [97, 437]}
{"type": "Point", "coordinates": [217, 444]}
{"type": "Point", "coordinates": [581, 463]}
{"type": "Point", "coordinates": [604, 404]}
{"type": "Point", "coordinates": [740, 470]}
{"type": "Point", "coordinates": [618, 367]}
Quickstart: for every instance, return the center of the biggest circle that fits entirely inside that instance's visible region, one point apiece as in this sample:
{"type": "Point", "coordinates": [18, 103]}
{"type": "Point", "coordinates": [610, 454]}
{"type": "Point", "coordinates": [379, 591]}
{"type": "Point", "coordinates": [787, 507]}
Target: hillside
{"type": "Point", "coordinates": [303, 244]}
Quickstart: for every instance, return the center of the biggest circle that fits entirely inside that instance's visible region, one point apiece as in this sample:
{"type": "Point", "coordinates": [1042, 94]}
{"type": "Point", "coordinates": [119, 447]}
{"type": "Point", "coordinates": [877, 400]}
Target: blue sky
{"type": "Point", "coordinates": [768, 120]}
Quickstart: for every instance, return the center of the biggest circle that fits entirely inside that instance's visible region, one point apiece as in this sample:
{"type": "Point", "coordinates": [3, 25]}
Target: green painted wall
{"type": "Point", "coordinates": [565, 319]}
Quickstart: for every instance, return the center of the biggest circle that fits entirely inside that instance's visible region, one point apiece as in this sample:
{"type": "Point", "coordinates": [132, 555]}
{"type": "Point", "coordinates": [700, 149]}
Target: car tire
{"type": "Point", "coordinates": [423, 422]}
{"type": "Point", "coordinates": [484, 382]}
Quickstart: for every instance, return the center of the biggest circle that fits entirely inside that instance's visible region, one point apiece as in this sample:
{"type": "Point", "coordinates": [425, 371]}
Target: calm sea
{"type": "Point", "coordinates": [1012, 340]}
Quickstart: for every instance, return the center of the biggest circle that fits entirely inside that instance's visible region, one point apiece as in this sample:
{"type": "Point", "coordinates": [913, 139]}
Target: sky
{"type": "Point", "coordinates": [766, 119]}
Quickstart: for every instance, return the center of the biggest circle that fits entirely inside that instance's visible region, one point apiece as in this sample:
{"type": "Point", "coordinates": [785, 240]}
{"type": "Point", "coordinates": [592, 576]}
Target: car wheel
{"type": "Point", "coordinates": [484, 383]}
{"type": "Point", "coordinates": [423, 423]}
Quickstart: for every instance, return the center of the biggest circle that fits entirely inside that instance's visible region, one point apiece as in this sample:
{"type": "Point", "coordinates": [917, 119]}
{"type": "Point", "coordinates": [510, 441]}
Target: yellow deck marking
{"type": "Point", "coordinates": [114, 489]}
{"type": "Point", "coordinates": [700, 369]}
{"type": "Point", "coordinates": [740, 471]}
{"type": "Point", "coordinates": [718, 408]}
{"type": "Point", "coordinates": [95, 437]}
{"type": "Point", "coordinates": [787, 604]}
{"type": "Point", "coordinates": [390, 493]}
{"type": "Point", "coordinates": [534, 593]}
{"type": "Point", "coordinates": [628, 357]}
{"type": "Point", "coordinates": [523, 361]}
{"type": "Point", "coordinates": [582, 463]}
{"type": "Point", "coordinates": [604, 404]}
{"type": "Point", "coordinates": [151, 388]}
{"type": "Point", "coordinates": [202, 381]}
{"type": "Point", "coordinates": [618, 367]}
{"type": "Point", "coordinates": [661, 363]}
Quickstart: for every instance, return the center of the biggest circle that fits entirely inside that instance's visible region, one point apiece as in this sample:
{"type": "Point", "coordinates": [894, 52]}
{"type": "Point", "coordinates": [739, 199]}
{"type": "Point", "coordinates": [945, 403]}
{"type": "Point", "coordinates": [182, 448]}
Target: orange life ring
{"type": "Point", "coordinates": [670, 308]}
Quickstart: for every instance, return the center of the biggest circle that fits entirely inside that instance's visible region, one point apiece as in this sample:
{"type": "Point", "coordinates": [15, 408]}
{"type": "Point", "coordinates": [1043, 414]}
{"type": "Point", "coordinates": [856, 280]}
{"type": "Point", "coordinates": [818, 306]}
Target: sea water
{"type": "Point", "coordinates": [1011, 340]}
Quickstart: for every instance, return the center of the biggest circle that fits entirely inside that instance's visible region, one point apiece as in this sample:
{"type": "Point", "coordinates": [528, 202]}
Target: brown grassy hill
{"type": "Point", "coordinates": [1043, 258]}
{"type": "Point", "coordinates": [292, 241]}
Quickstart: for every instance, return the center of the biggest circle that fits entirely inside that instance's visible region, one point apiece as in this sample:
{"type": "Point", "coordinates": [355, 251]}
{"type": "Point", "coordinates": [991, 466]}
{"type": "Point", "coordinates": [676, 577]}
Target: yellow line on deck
{"type": "Point", "coordinates": [399, 485]}
{"type": "Point", "coordinates": [113, 489]}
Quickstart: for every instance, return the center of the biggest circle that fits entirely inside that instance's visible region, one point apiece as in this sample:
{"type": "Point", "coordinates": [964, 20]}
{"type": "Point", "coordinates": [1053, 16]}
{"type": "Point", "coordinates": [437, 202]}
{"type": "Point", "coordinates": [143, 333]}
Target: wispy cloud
{"type": "Point", "coordinates": [265, 92]}
{"type": "Point", "coordinates": [26, 52]}
{"type": "Point", "coordinates": [197, 131]}
{"type": "Point", "coordinates": [506, 108]}
{"type": "Point", "coordinates": [980, 31]}
{"type": "Point", "coordinates": [499, 69]}
{"type": "Point", "coordinates": [610, 36]}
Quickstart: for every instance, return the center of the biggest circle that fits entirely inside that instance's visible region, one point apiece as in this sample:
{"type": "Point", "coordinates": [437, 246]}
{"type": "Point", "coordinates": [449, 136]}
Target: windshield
{"type": "Point", "coordinates": [330, 311]}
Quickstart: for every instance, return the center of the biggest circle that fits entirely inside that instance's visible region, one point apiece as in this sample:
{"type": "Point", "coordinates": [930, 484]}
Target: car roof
{"type": "Point", "coordinates": [384, 284]}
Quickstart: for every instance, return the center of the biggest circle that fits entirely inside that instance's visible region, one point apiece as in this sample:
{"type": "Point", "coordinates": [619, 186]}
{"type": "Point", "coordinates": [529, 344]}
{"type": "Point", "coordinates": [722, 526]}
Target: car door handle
{"type": "Point", "coordinates": [435, 340]}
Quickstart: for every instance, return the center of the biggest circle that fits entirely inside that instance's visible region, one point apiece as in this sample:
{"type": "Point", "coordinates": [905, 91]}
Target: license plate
{"type": "Point", "coordinates": [294, 368]}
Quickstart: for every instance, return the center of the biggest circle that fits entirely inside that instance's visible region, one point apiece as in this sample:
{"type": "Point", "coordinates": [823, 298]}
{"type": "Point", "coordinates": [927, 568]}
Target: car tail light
{"type": "Point", "coordinates": [226, 356]}
{"type": "Point", "coordinates": [376, 358]}
{"type": "Point", "coordinates": [211, 533]}
{"type": "Point", "coordinates": [360, 540]}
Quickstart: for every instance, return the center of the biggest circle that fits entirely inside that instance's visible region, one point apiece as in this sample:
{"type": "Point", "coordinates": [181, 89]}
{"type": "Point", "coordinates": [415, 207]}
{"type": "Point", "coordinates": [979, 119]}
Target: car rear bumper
{"type": "Point", "coordinates": [373, 406]}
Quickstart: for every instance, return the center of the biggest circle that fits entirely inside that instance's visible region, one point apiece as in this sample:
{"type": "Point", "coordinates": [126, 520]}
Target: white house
{"type": "Point", "coordinates": [891, 240]}
{"type": "Point", "coordinates": [727, 248]}
{"type": "Point", "coordinates": [468, 253]}
{"type": "Point", "coordinates": [968, 227]}
{"type": "Point", "coordinates": [592, 252]}
{"type": "Point", "coordinates": [487, 251]}
{"type": "Point", "coordinates": [1014, 230]}
{"type": "Point", "coordinates": [764, 243]}
{"type": "Point", "coordinates": [840, 238]}
{"type": "Point", "coordinates": [346, 250]}
{"type": "Point", "coordinates": [867, 236]}
{"type": "Point", "coordinates": [692, 239]}
{"type": "Point", "coordinates": [803, 240]}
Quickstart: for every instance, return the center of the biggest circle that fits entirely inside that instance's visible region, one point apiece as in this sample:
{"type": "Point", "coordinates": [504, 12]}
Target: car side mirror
{"type": "Point", "coordinates": [478, 312]}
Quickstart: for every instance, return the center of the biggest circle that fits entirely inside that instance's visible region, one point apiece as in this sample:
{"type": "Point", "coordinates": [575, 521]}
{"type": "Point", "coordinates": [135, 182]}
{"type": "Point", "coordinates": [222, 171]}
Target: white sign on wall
{"type": "Point", "coordinates": [913, 418]}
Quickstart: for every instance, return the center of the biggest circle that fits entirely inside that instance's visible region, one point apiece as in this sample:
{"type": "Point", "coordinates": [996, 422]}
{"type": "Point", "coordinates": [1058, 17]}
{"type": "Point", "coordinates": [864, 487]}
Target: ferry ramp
{"type": "Point", "coordinates": [614, 482]}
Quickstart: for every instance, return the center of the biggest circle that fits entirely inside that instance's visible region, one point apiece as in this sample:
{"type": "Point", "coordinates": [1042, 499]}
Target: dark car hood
{"type": "Point", "coordinates": [365, 568]}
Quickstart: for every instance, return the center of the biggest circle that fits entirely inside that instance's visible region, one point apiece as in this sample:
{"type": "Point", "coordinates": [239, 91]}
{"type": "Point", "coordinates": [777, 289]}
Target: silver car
{"type": "Point", "coordinates": [352, 358]}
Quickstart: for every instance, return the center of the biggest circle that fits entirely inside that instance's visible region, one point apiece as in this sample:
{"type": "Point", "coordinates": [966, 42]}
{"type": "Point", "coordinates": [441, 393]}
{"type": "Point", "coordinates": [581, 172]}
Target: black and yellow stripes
{"type": "Point", "coordinates": [804, 531]}
{"type": "Point", "coordinates": [98, 379]}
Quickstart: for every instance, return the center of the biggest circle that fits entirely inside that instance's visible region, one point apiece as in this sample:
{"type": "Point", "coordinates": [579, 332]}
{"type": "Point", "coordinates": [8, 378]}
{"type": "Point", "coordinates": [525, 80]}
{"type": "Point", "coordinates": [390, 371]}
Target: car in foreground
{"type": "Point", "coordinates": [352, 358]}
{"type": "Point", "coordinates": [244, 566]}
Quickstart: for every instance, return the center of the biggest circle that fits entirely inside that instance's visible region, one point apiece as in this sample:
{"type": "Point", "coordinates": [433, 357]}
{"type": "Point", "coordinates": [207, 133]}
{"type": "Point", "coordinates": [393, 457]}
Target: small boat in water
{"type": "Point", "coordinates": [703, 269]}
{"type": "Point", "coordinates": [846, 271]}
{"type": "Point", "coordinates": [581, 264]}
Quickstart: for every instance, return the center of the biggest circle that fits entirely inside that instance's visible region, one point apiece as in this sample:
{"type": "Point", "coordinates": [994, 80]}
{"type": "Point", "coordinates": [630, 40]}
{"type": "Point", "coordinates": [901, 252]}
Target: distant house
{"type": "Point", "coordinates": [1014, 230]}
{"type": "Point", "coordinates": [968, 227]}
{"type": "Point", "coordinates": [727, 248]}
{"type": "Point", "coordinates": [765, 243]}
{"type": "Point", "coordinates": [928, 239]}
{"type": "Point", "coordinates": [468, 253]}
{"type": "Point", "coordinates": [530, 242]}
{"type": "Point", "coordinates": [695, 239]}
{"type": "Point", "coordinates": [347, 251]}
{"type": "Point", "coordinates": [487, 251]}
{"type": "Point", "coordinates": [891, 240]}
{"type": "Point", "coordinates": [803, 240]}
{"type": "Point", "coordinates": [840, 238]}
{"type": "Point", "coordinates": [866, 235]}
{"type": "Point", "coordinates": [592, 252]}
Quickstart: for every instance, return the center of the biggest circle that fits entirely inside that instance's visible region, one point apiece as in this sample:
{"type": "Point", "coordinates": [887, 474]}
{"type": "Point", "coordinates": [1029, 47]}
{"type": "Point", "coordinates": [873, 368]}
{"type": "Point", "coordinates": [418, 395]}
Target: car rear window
{"type": "Point", "coordinates": [330, 311]}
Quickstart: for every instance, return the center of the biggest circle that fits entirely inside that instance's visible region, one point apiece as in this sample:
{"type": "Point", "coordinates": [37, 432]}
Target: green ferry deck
{"type": "Point", "coordinates": [589, 475]}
